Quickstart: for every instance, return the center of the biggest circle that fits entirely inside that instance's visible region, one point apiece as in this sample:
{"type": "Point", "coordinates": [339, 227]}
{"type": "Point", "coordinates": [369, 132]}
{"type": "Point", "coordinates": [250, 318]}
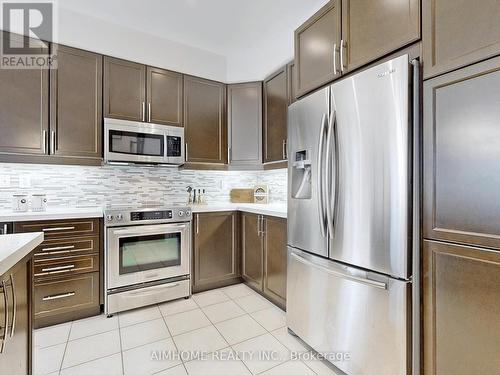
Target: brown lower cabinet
{"type": "Point", "coordinates": [66, 270]}
{"type": "Point", "coordinates": [264, 255]}
{"type": "Point", "coordinates": [216, 250]}
{"type": "Point", "coordinates": [461, 309]}
{"type": "Point", "coordinates": [16, 291]}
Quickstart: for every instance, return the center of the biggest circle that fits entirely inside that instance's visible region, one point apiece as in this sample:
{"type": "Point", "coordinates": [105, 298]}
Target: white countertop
{"type": "Point", "coordinates": [271, 209]}
{"type": "Point", "coordinates": [14, 247]}
{"type": "Point", "coordinates": [52, 213]}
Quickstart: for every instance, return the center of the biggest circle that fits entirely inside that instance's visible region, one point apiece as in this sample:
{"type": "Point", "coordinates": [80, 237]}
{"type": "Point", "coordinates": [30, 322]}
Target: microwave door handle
{"type": "Point", "coordinates": [165, 147]}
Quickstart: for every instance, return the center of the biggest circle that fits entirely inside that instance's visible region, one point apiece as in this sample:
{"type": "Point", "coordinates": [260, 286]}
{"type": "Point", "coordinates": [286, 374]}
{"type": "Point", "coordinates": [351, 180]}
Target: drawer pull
{"type": "Point", "coordinates": [58, 296]}
{"type": "Point", "coordinates": [57, 229]}
{"type": "Point", "coordinates": [58, 248]}
{"type": "Point", "coordinates": [60, 268]}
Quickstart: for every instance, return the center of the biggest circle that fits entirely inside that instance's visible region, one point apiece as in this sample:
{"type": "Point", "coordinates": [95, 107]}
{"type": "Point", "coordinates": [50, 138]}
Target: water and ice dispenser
{"type": "Point", "coordinates": [301, 175]}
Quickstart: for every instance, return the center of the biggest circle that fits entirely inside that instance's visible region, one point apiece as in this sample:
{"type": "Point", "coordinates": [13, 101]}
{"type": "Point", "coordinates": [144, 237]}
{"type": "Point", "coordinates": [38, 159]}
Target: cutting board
{"type": "Point", "coordinates": [241, 195]}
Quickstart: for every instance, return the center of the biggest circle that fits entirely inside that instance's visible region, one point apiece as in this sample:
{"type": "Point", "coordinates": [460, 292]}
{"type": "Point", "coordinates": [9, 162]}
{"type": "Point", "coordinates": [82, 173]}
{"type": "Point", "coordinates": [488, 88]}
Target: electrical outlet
{"type": "Point", "coordinates": [4, 181]}
{"type": "Point", "coordinates": [24, 181]}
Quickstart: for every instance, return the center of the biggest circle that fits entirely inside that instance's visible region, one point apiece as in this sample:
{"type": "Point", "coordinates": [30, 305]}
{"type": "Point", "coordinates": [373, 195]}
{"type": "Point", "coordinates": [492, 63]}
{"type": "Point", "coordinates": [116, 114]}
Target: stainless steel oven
{"type": "Point", "coordinates": [147, 256]}
{"type": "Point", "coordinates": [145, 143]}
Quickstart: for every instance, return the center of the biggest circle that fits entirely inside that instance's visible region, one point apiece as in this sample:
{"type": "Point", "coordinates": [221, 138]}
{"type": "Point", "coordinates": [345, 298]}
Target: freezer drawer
{"type": "Point", "coordinates": [335, 308]}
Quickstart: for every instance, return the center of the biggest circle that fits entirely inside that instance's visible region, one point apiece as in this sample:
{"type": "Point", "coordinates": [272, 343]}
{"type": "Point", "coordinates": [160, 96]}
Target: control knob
{"type": "Point", "coordinates": [109, 217]}
{"type": "Point", "coordinates": [181, 213]}
{"type": "Point", "coordinates": [119, 217]}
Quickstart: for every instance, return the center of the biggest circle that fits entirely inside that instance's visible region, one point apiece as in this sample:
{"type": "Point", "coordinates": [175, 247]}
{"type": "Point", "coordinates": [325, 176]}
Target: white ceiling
{"type": "Point", "coordinates": [231, 28]}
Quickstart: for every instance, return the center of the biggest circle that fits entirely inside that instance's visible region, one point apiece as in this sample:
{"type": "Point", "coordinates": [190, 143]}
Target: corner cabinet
{"type": "Point", "coordinates": [461, 309]}
{"type": "Point", "coordinates": [205, 121]}
{"type": "Point", "coordinates": [264, 255]}
{"type": "Point", "coordinates": [15, 304]}
{"type": "Point", "coordinates": [216, 249]}
{"type": "Point", "coordinates": [275, 116]}
{"type": "Point", "coordinates": [244, 113]}
{"type": "Point", "coordinates": [458, 33]}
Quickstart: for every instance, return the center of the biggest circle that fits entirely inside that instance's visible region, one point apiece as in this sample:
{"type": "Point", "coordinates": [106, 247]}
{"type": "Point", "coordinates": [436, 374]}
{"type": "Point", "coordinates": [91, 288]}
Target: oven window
{"type": "Point", "coordinates": [132, 143]}
{"type": "Point", "coordinates": [174, 146]}
{"type": "Point", "coordinates": [143, 253]}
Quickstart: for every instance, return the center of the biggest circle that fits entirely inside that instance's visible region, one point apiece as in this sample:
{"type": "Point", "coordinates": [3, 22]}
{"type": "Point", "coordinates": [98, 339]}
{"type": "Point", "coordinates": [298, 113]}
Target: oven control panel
{"type": "Point", "coordinates": [150, 215]}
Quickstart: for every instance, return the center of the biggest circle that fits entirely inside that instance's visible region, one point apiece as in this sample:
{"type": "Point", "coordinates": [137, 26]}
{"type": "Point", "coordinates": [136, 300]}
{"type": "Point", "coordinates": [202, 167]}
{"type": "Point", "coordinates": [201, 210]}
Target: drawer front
{"type": "Point", "coordinates": [67, 247]}
{"type": "Point", "coordinates": [49, 268]}
{"type": "Point", "coordinates": [66, 295]}
{"type": "Point", "coordinates": [60, 228]}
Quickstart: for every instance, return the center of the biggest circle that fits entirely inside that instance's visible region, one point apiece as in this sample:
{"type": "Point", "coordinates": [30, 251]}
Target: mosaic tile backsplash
{"type": "Point", "coordinates": [129, 185]}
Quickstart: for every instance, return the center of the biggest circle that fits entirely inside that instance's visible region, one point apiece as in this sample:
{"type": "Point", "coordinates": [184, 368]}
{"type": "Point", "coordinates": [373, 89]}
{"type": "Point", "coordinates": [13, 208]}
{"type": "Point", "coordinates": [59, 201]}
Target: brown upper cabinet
{"type": "Point", "coordinates": [24, 106]}
{"type": "Point", "coordinates": [461, 153]}
{"type": "Point", "coordinates": [458, 33]}
{"type": "Point", "coordinates": [76, 104]}
{"type": "Point", "coordinates": [205, 121]}
{"type": "Point", "coordinates": [292, 78]}
{"type": "Point", "coordinates": [345, 35]}
{"type": "Point", "coordinates": [135, 92]}
{"type": "Point", "coordinates": [216, 250]}
{"type": "Point", "coordinates": [275, 116]}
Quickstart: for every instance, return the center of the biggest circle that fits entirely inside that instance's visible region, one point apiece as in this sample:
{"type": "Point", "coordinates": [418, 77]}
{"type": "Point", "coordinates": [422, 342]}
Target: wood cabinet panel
{"type": "Point", "coordinates": [275, 116]}
{"type": "Point", "coordinates": [124, 89]}
{"type": "Point", "coordinates": [205, 121]}
{"type": "Point", "coordinates": [292, 82]}
{"type": "Point", "coordinates": [458, 32]}
{"type": "Point", "coordinates": [24, 114]}
{"type": "Point", "coordinates": [67, 247]}
{"type": "Point", "coordinates": [314, 48]}
{"type": "Point", "coordinates": [76, 104]}
{"type": "Point", "coordinates": [245, 123]}
{"type": "Point", "coordinates": [59, 228]}
{"type": "Point", "coordinates": [374, 28]}
{"type": "Point", "coordinates": [461, 306]}
{"type": "Point", "coordinates": [44, 269]}
{"type": "Point", "coordinates": [216, 250]}
{"type": "Point", "coordinates": [16, 358]}
{"type": "Point", "coordinates": [164, 96]}
{"type": "Point", "coordinates": [252, 250]}
{"type": "Point", "coordinates": [461, 154]}
{"type": "Point", "coordinates": [275, 263]}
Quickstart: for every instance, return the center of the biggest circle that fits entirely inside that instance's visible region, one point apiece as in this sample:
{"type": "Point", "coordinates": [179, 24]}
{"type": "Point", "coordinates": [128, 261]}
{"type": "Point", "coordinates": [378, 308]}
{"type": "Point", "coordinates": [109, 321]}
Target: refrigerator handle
{"type": "Point", "coordinates": [329, 175]}
{"type": "Point", "coordinates": [319, 174]}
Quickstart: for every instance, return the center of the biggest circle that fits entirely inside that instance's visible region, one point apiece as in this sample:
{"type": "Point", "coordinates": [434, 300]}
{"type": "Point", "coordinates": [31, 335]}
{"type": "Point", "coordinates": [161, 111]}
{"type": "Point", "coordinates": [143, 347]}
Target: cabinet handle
{"type": "Point", "coordinates": [149, 112]}
{"type": "Point", "coordinates": [197, 224]}
{"type": "Point", "coordinates": [58, 248]}
{"type": "Point", "coordinates": [283, 149]}
{"type": "Point", "coordinates": [342, 47]}
{"type": "Point", "coordinates": [57, 229]}
{"type": "Point", "coordinates": [45, 136]}
{"type": "Point", "coordinates": [52, 142]}
{"type": "Point", "coordinates": [59, 268]}
{"type": "Point", "coordinates": [143, 111]}
{"type": "Point", "coordinates": [14, 306]}
{"type": "Point", "coordinates": [264, 226]}
{"type": "Point", "coordinates": [228, 155]}
{"type": "Point", "coordinates": [6, 316]}
{"type": "Point", "coordinates": [186, 151]}
{"type": "Point", "coordinates": [58, 296]}
{"type": "Point", "coordinates": [335, 59]}
{"type": "Point", "coordinates": [259, 225]}
{"type": "Point", "coordinates": [5, 229]}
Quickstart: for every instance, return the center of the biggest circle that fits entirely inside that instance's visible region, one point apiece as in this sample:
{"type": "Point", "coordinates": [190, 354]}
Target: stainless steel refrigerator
{"type": "Point", "coordinates": [353, 223]}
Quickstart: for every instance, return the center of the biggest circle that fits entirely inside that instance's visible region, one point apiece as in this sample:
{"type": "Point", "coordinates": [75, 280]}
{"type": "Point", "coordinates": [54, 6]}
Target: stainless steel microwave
{"type": "Point", "coordinates": [142, 143]}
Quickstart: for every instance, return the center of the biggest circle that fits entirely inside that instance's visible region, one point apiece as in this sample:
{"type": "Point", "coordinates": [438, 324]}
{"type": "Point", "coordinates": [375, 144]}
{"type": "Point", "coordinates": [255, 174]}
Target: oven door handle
{"type": "Point", "coordinates": [144, 231]}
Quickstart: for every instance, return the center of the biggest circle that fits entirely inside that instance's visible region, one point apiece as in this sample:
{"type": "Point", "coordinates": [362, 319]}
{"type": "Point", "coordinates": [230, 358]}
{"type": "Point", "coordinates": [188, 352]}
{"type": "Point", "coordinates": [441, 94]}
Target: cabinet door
{"type": "Point", "coordinates": [275, 116]}
{"type": "Point", "coordinates": [462, 156]}
{"type": "Point", "coordinates": [76, 104]}
{"type": "Point", "coordinates": [24, 114]}
{"type": "Point", "coordinates": [252, 251]}
{"type": "Point", "coordinates": [216, 250]}
{"type": "Point", "coordinates": [458, 32]}
{"type": "Point", "coordinates": [164, 95]}
{"type": "Point", "coordinates": [124, 89]}
{"type": "Point", "coordinates": [374, 28]}
{"type": "Point", "coordinates": [275, 256]}
{"type": "Point", "coordinates": [16, 356]}
{"type": "Point", "coordinates": [245, 123]}
{"type": "Point", "coordinates": [461, 306]}
{"type": "Point", "coordinates": [204, 121]}
{"type": "Point", "coordinates": [292, 78]}
{"type": "Point", "coordinates": [315, 43]}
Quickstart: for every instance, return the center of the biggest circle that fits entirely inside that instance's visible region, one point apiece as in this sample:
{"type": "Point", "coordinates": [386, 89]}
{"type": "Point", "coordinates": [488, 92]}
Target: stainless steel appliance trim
{"type": "Point", "coordinates": [334, 59]}
{"type": "Point", "coordinates": [416, 315]}
{"type": "Point", "coordinates": [153, 289]}
{"type": "Point", "coordinates": [6, 315]}
{"type": "Point", "coordinates": [56, 248]}
{"type": "Point", "coordinates": [52, 142]}
{"type": "Point", "coordinates": [58, 296]}
{"type": "Point", "coordinates": [59, 268]}
{"type": "Point", "coordinates": [138, 230]}
{"type": "Point", "coordinates": [319, 176]}
{"type": "Point", "coordinates": [44, 141]}
{"type": "Point", "coordinates": [57, 229]}
{"type": "Point", "coordinates": [373, 283]}
{"type": "Point", "coordinates": [14, 306]}
{"type": "Point", "coordinates": [328, 176]}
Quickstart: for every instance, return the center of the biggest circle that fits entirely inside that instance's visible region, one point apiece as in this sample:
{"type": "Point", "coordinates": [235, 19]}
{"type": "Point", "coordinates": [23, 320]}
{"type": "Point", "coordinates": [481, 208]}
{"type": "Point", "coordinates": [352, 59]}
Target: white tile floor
{"type": "Point", "coordinates": [227, 322]}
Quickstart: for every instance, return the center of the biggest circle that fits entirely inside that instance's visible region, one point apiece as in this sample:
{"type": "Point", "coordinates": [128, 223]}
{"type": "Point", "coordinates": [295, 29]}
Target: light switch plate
{"type": "Point", "coordinates": [4, 181]}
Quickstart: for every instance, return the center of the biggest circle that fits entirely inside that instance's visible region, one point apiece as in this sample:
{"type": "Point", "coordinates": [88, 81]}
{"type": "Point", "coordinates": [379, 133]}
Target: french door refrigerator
{"type": "Point", "coordinates": [353, 226]}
